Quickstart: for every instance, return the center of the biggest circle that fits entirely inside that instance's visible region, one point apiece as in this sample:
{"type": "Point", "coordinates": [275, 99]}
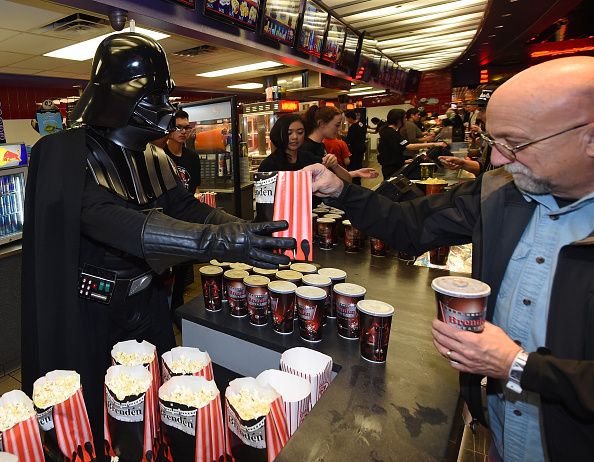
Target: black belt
{"type": "Point", "coordinates": [102, 285]}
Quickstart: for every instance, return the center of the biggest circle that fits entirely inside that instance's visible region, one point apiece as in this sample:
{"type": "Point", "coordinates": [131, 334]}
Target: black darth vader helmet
{"type": "Point", "coordinates": [130, 86]}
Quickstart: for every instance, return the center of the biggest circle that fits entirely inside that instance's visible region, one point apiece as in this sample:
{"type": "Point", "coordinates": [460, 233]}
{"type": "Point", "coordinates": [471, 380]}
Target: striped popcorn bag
{"type": "Point", "coordinates": [19, 431]}
{"type": "Point", "coordinates": [62, 416]}
{"type": "Point", "coordinates": [256, 421]}
{"type": "Point", "coordinates": [191, 420]}
{"type": "Point", "coordinates": [129, 425]}
{"type": "Point", "coordinates": [133, 353]}
{"type": "Point", "coordinates": [296, 394]}
{"type": "Point", "coordinates": [313, 366]}
{"type": "Point", "coordinates": [186, 361]}
{"type": "Point", "coordinates": [287, 196]}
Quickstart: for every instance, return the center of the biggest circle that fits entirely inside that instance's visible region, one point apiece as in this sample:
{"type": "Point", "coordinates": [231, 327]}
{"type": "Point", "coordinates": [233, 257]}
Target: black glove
{"type": "Point", "coordinates": [167, 242]}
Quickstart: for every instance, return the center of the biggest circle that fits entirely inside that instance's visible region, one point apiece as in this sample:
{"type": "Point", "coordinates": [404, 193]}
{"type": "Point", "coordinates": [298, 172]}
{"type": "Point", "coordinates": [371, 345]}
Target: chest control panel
{"type": "Point", "coordinates": [96, 284]}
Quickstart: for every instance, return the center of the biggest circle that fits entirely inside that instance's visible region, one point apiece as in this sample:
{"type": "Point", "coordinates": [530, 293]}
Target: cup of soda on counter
{"type": "Point", "coordinates": [375, 319]}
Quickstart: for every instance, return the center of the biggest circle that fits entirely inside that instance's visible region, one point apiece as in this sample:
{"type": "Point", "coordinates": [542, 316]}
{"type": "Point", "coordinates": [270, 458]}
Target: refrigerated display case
{"type": "Point", "coordinates": [256, 122]}
{"type": "Point", "coordinates": [13, 177]}
{"type": "Point", "coordinates": [224, 167]}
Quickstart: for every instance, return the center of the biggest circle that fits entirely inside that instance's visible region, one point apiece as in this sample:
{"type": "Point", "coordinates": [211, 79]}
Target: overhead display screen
{"type": "Point", "coordinates": [243, 13]}
{"type": "Point", "coordinates": [348, 59]}
{"type": "Point", "coordinates": [280, 20]}
{"type": "Point", "coordinates": [334, 44]}
{"type": "Point", "coordinates": [188, 3]}
{"type": "Point", "coordinates": [313, 29]}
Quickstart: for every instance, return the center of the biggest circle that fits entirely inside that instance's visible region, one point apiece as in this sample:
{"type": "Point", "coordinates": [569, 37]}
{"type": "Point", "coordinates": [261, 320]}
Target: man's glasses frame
{"type": "Point", "coordinates": [509, 152]}
{"type": "Point", "coordinates": [185, 128]}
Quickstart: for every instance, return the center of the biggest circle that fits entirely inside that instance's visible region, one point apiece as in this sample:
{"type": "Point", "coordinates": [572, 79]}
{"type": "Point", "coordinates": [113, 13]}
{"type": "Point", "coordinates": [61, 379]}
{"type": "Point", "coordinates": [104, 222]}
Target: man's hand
{"type": "Point", "coordinates": [489, 353]}
{"type": "Point", "coordinates": [330, 161]}
{"type": "Point", "coordinates": [324, 182]}
{"type": "Point", "coordinates": [451, 162]}
{"type": "Point", "coordinates": [365, 172]}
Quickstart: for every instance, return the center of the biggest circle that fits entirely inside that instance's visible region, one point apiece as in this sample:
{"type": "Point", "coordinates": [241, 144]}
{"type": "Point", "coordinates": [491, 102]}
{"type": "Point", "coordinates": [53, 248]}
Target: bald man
{"type": "Point", "coordinates": [532, 228]}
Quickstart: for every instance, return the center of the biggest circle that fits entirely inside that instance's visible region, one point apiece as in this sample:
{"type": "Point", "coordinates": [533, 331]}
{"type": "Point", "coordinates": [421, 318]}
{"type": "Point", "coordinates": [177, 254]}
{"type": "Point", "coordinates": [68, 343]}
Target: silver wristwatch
{"type": "Point", "coordinates": [515, 372]}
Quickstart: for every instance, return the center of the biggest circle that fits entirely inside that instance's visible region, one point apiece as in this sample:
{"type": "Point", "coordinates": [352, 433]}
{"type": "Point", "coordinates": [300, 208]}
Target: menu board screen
{"type": "Point", "coordinates": [334, 45]}
{"type": "Point", "coordinates": [241, 12]}
{"type": "Point", "coordinates": [188, 3]}
{"type": "Point", "coordinates": [313, 28]}
{"type": "Point", "coordinates": [280, 20]}
{"type": "Point", "coordinates": [349, 55]}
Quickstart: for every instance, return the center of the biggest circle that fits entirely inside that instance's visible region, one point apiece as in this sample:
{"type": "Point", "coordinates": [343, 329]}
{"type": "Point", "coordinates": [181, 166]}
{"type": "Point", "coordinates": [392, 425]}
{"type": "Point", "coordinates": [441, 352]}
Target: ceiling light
{"type": "Point", "coordinates": [353, 90]}
{"type": "Point", "coordinates": [246, 86]}
{"type": "Point", "coordinates": [372, 92]}
{"type": "Point", "coordinates": [240, 69]}
{"type": "Point", "coordinates": [403, 11]}
{"type": "Point", "coordinates": [86, 50]}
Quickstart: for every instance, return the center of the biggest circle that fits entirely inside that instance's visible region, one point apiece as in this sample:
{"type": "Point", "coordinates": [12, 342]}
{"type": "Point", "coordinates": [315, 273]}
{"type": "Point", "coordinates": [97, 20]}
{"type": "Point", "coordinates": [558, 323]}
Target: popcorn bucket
{"type": "Point", "coordinates": [133, 353]}
{"type": "Point", "coordinates": [256, 421]}
{"type": "Point", "coordinates": [296, 394]}
{"type": "Point", "coordinates": [313, 366]}
{"type": "Point", "coordinates": [276, 197]}
{"type": "Point", "coordinates": [19, 431]}
{"type": "Point", "coordinates": [62, 416]}
{"type": "Point", "coordinates": [130, 425]}
{"type": "Point", "coordinates": [186, 361]}
{"type": "Point", "coordinates": [191, 420]}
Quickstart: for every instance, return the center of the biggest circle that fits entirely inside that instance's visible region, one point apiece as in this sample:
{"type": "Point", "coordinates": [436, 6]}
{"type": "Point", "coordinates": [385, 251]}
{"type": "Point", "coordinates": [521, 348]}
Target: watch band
{"type": "Point", "coordinates": [515, 372]}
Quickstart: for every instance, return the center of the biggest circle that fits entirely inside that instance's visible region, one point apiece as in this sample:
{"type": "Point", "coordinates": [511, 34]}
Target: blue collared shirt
{"type": "Point", "coordinates": [522, 310]}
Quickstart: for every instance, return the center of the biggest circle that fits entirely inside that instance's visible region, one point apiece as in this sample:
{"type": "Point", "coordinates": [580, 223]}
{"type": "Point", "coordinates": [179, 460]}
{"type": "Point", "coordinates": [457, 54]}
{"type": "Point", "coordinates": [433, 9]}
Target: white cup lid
{"type": "Point", "coordinates": [459, 286]}
{"type": "Point", "coordinates": [304, 267]}
{"type": "Point", "coordinates": [256, 281]}
{"type": "Point", "coordinates": [236, 274]}
{"type": "Point", "coordinates": [326, 220]}
{"type": "Point", "coordinates": [349, 289]}
{"type": "Point", "coordinates": [311, 292]}
{"type": "Point", "coordinates": [291, 275]}
{"type": "Point", "coordinates": [333, 273]}
{"type": "Point", "coordinates": [375, 308]}
{"type": "Point", "coordinates": [316, 280]}
{"type": "Point", "coordinates": [282, 287]}
{"type": "Point", "coordinates": [211, 270]}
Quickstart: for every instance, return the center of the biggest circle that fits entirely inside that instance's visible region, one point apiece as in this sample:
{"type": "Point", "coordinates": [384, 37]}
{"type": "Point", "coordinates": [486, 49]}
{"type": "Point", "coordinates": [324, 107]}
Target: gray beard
{"type": "Point", "coordinates": [526, 181]}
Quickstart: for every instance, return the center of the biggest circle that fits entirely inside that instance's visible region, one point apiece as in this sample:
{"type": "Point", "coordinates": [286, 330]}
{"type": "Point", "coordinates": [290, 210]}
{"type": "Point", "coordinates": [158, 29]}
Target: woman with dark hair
{"type": "Point", "coordinates": [287, 136]}
{"type": "Point", "coordinates": [320, 123]}
{"type": "Point", "coordinates": [391, 144]}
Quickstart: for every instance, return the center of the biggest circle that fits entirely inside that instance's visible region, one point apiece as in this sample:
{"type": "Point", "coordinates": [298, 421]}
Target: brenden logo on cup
{"type": "Point", "coordinates": [258, 300]}
{"type": "Point", "coordinates": [184, 421]}
{"type": "Point", "coordinates": [265, 190]}
{"type": "Point", "coordinates": [347, 310]}
{"type": "Point", "coordinates": [132, 411]}
{"type": "Point", "coordinates": [254, 436]}
{"type": "Point", "coordinates": [46, 419]}
{"type": "Point", "coordinates": [236, 292]}
{"type": "Point", "coordinates": [473, 322]}
{"type": "Point", "coordinates": [307, 312]}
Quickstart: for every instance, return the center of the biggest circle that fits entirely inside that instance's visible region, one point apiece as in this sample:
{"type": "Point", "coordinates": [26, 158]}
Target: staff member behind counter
{"type": "Point", "coordinates": [532, 229]}
{"type": "Point", "coordinates": [101, 205]}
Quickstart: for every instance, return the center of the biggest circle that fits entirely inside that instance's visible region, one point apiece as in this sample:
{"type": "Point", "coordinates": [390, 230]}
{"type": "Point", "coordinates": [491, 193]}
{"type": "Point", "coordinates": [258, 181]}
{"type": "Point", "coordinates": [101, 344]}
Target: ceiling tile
{"type": "Point", "coordinates": [40, 63]}
{"type": "Point", "coordinates": [8, 58]}
{"type": "Point", "coordinates": [24, 16]}
{"type": "Point", "coordinates": [33, 43]}
{"type": "Point", "coordinates": [7, 33]}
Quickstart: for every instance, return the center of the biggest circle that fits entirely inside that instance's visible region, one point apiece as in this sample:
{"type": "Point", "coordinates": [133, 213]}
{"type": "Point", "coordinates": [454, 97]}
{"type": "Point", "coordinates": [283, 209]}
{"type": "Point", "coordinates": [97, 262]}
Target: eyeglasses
{"type": "Point", "coordinates": [509, 152]}
{"type": "Point", "coordinates": [183, 128]}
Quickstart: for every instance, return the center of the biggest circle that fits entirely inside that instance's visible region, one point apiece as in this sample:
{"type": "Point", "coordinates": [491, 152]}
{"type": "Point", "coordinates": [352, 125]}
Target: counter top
{"type": "Point", "coordinates": [11, 249]}
{"type": "Point", "coordinates": [402, 410]}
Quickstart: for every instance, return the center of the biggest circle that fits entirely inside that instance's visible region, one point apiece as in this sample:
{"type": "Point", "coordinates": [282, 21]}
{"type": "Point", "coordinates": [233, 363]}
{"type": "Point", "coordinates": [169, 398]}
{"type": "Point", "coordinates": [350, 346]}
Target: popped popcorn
{"type": "Point", "coordinates": [55, 390]}
{"type": "Point", "coordinates": [133, 359]}
{"type": "Point", "coordinates": [183, 395]}
{"type": "Point", "coordinates": [249, 404]}
{"type": "Point", "coordinates": [124, 385]}
{"type": "Point", "coordinates": [14, 413]}
{"type": "Point", "coordinates": [185, 365]}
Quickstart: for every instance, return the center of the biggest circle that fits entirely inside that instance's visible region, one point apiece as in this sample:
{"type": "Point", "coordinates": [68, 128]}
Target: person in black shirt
{"type": "Point", "coordinates": [186, 159]}
{"type": "Point", "coordinates": [323, 123]}
{"type": "Point", "coordinates": [356, 140]}
{"type": "Point", "coordinates": [391, 144]}
{"type": "Point", "coordinates": [287, 135]}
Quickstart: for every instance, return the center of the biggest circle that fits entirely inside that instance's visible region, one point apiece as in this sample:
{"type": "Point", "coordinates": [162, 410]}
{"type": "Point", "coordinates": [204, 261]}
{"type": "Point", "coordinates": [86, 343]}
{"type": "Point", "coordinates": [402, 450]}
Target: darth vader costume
{"type": "Point", "coordinates": [106, 215]}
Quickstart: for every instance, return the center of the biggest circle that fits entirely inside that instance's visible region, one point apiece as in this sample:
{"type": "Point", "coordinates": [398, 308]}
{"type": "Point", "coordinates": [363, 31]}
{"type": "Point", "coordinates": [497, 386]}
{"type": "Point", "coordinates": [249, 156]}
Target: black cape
{"type": "Point", "coordinates": [52, 333]}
